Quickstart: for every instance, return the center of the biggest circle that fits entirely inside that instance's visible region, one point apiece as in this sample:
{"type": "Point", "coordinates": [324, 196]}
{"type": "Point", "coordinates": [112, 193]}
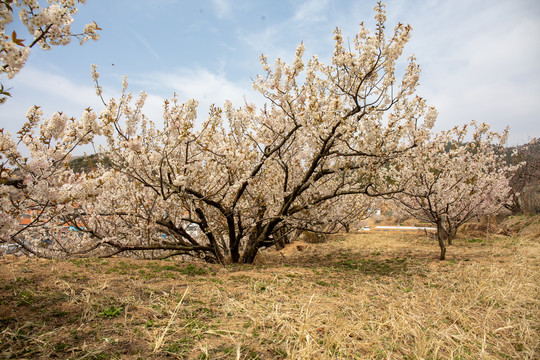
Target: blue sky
{"type": "Point", "coordinates": [479, 58]}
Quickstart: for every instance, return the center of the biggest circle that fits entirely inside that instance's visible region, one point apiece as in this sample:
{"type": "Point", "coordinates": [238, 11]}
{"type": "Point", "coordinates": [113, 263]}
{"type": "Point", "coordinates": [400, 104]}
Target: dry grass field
{"type": "Point", "coordinates": [356, 296]}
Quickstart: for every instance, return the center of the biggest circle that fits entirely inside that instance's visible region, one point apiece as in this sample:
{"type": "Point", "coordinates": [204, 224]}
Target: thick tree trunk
{"type": "Point", "coordinates": [257, 240]}
{"type": "Point", "coordinates": [248, 257]}
{"type": "Point", "coordinates": [235, 254]}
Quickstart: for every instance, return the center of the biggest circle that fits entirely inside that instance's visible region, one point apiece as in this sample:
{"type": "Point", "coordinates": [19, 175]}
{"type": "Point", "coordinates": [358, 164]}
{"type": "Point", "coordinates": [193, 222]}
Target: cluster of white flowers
{"type": "Point", "coordinates": [12, 56]}
{"type": "Point", "coordinates": [47, 26]}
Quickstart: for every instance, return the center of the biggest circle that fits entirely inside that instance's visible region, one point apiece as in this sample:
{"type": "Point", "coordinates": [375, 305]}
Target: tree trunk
{"type": "Point", "coordinates": [235, 254]}
{"type": "Point", "coordinates": [256, 240]}
{"type": "Point", "coordinates": [443, 248]}
{"type": "Point", "coordinates": [441, 235]}
{"type": "Point", "coordinates": [451, 235]}
{"type": "Point", "coordinates": [281, 238]}
{"type": "Point", "coordinates": [248, 257]}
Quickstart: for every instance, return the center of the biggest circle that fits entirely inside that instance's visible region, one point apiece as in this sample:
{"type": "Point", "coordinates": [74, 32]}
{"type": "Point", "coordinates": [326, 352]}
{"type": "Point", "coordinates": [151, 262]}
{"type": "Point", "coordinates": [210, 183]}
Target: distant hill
{"type": "Point", "coordinates": [88, 163]}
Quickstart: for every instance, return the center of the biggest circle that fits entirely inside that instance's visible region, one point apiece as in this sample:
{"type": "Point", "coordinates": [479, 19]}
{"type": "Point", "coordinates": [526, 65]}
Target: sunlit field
{"type": "Point", "coordinates": [355, 296]}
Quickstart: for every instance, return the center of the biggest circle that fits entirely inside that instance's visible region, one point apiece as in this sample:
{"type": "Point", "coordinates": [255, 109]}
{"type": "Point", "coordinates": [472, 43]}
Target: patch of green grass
{"type": "Point", "coordinates": [61, 347]}
{"type": "Point", "coordinates": [25, 298]}
{"type": "Point", "coordinates": [322, 283]}
{"type": "Point", "coordinates": [259, 287]}
{"type": "Point", "coordinates": [193, 270]}
{"type": "Point", "coordinates": [111, 312]}
{"type": "Point", "coordinates": [166, 268]}
{"type": "Point", "coordinates": [123, 268]}
{"type": "Point", "coordinates": [80, 262]}
{"type": "Point", "coordinates": [432, 285]}
{"type": "Point", "coordinates": [196, 326]}
{"type": "Point", "coordinates": [180, 347]}
{"type": "Point", "coordinates": [226, 350]}
{"type": "Point", "coordinates": [204, 313]}
{"type": "Point", "coordinates": [190, 269]}
{"type": "Point", "coordinates": [250, 354]}
{"type": "Point", "coordinates": [150, 323]}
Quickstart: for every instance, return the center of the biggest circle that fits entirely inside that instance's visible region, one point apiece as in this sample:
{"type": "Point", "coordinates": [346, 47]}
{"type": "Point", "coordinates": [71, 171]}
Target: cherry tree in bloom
{"type": "Point", "coordinates": [38, 189]}
{"type": "Point", "coordinates": [48, 26]}
{"type": "Point", "coordinates": [450, 180]}
{"type": "Point", "coordinates": [243, 179]}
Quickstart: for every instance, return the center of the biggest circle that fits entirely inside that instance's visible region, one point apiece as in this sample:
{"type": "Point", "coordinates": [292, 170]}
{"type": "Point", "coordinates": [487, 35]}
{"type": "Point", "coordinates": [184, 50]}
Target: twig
{"type": "Point", "coordinates": [159, 341]}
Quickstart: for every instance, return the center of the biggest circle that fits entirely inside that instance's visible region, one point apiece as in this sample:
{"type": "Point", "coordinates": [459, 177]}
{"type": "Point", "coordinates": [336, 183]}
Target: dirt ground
{"type": "Point", "coordinates": [356, 296]}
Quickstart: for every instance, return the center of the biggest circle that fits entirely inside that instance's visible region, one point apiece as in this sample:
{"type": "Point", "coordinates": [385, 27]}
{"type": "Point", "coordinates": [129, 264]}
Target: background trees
{"type": "Point", "coordinates": [450, 180]}
{"type": "Point", "coordinates": [525, 182]}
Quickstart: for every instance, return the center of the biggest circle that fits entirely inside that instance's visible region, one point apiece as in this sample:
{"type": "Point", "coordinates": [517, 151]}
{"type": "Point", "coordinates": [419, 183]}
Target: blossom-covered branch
{"type": "Point", "coordinates": [48, 26]}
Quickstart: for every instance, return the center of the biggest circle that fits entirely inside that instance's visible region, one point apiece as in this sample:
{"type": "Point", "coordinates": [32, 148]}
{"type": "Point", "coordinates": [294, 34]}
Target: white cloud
{"type": "Point", "coordinates": [310, 12]}
{"type": "Point", "coordinates": [200, 84]}
{"type": "Point", "coordinates": [222, 8]}
{"type": "Point", "coordinates": [52, 92]}
{"type": "Point", "coordinates": [480, 62]}
{"type": "Point", "coordinates": [53, 86]}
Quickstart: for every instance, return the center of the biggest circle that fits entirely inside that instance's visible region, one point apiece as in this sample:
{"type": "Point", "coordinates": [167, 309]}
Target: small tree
{"type": "Point", "coordinates": [450, 181]}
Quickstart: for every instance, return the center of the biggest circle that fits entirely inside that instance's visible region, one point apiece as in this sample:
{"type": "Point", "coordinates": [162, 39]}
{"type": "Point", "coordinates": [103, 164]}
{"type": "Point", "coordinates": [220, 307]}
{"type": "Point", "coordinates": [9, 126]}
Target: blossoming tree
{"type": "Point", "coordinates": [451, 180]}
{"type": "Point", "coordinates": [37, 189]}
{"type": "Point", "coordinates": [245, 177]}
{"type": "Point", "coordinates": [48, 25]}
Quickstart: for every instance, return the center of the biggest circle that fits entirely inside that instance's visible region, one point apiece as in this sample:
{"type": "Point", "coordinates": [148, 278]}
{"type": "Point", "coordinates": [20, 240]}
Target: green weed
{"type": "Point", "coordinates": [111, 312]}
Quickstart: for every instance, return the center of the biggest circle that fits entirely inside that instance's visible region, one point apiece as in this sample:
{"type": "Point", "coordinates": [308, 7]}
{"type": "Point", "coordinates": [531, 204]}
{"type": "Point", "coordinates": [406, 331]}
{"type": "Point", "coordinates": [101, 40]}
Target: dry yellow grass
{"type": "Point", "coordinates": [357, 296]}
